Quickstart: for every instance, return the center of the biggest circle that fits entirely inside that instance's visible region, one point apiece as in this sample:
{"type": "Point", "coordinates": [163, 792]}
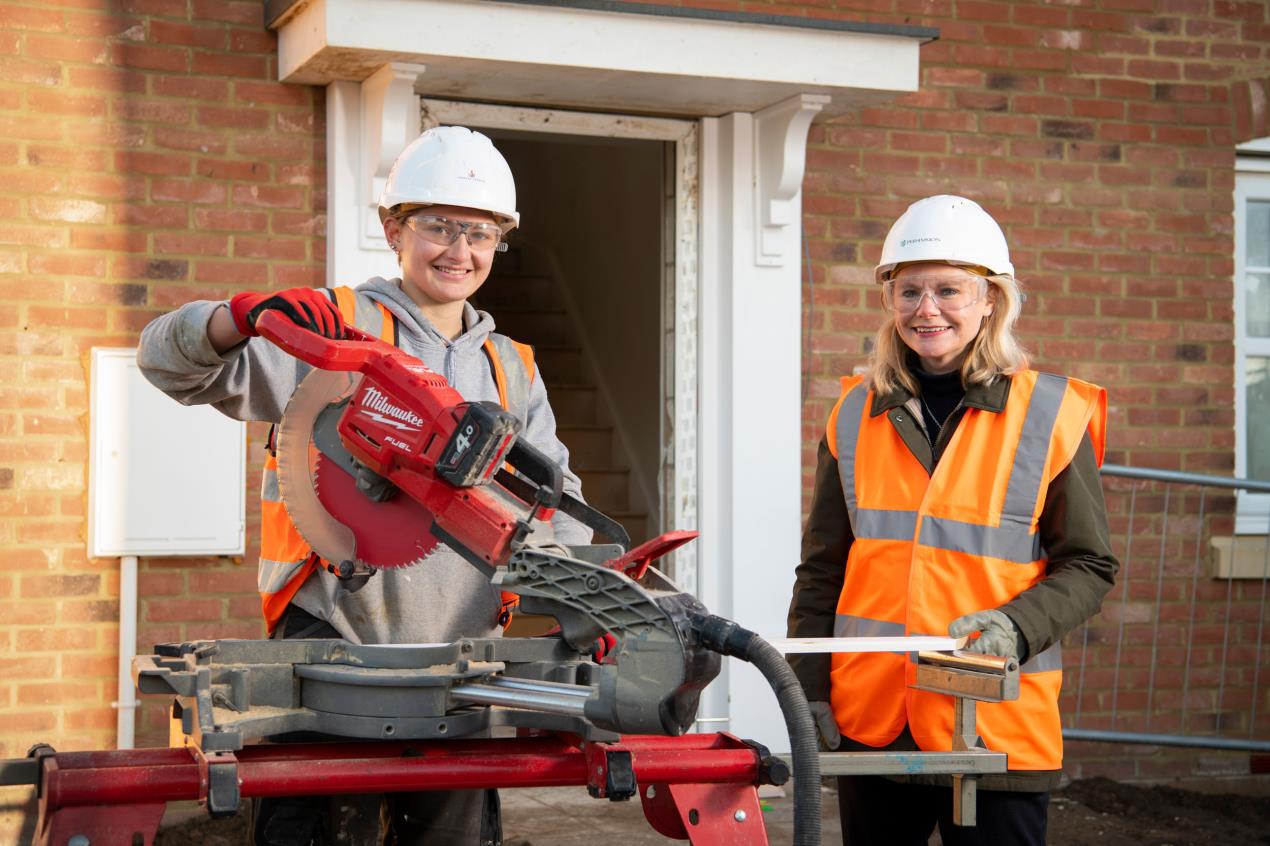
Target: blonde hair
{"type": "Point", "coordinates": [994, 352]}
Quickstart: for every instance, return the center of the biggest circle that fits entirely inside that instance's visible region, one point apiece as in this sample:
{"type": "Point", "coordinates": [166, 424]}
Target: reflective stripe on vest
{"type": "Point", "coordinates": [1013, 539]}
{"type": "Point", "coordinates": [513, 382]}
{"type": "Point", "coordinates": [929, 548]}
{"type": "Point", "coordinates": [286, 560]}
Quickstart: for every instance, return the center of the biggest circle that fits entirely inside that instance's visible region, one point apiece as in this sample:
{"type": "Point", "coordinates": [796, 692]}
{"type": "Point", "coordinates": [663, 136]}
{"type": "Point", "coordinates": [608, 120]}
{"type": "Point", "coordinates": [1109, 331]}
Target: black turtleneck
{"type": "Point", "coordinates": [939, 395]}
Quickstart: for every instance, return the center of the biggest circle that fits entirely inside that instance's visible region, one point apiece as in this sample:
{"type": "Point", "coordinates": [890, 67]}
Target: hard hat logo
{"type": "Point", "coordinates": [908, 241]}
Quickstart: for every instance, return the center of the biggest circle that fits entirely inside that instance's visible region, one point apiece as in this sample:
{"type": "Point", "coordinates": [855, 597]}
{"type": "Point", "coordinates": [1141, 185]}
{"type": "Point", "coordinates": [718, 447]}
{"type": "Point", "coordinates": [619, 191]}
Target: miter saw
{"type": "Point", "coordinates": [380, 461]}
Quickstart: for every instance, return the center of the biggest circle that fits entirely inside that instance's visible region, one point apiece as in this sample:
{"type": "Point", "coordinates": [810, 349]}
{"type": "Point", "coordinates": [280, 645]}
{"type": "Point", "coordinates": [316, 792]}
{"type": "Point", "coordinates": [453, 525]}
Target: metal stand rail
{"type": "Point", "coordinates": [700, 788]}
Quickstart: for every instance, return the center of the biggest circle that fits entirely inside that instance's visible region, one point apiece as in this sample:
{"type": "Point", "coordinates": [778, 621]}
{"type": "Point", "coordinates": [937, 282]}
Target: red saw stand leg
{"type": "Point", "coordinates": [105, 824]}
{"type": "Point", "coordinates": [706, 814]}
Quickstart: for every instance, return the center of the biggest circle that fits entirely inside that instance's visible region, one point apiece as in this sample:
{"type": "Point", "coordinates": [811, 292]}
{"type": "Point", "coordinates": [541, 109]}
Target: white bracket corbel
{"type": "Point", "coordinates": [389, 121]}
{"type": "Point", "coordinates": [780, 158]}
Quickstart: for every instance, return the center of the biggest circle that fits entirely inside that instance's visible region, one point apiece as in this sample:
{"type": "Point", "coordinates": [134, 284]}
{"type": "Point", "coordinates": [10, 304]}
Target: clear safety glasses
{"type": "Point", "coordinates": [905, 295]}
{"type": "Point", "coordinates": [481, 237]}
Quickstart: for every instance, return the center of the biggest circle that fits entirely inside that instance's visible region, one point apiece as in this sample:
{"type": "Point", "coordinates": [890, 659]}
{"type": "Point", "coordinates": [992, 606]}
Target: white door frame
{"type": "Point", "coordinates": [680, 309]}
{"type": "Point", "coordinates": [737, 434]}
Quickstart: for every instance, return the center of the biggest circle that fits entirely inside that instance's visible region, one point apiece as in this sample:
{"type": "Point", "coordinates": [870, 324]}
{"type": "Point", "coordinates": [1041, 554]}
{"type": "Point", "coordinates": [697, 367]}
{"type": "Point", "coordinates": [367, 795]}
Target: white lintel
{"type": "Point", "coordinates": [595, 58]}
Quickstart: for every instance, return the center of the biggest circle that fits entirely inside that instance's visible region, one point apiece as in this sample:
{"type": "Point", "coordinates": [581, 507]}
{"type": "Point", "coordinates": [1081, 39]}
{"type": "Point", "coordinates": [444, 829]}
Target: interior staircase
{"type": "Point", "coordinates": [527, 307]}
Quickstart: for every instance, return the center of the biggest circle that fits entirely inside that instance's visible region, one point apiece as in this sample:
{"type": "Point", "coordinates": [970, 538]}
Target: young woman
{"type": "Point", "coordinates": [447, 205]}
{"type": "Point", "coordinates": [957, 491]}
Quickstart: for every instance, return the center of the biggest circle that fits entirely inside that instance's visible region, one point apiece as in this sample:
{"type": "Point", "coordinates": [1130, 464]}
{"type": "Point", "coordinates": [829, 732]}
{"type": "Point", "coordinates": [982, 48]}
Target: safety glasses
{"type": "Point", "coordinates": [905, 295]}
{"type": "Point", "coordinates": [481, 237]}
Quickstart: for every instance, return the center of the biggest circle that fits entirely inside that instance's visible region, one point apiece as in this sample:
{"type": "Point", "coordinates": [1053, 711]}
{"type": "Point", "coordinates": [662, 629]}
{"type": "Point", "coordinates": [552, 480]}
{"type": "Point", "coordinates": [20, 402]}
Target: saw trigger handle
{"type": "Point", "coordinates": [533, 464]}
{"type": "Point", "coordinates": [351, 353]}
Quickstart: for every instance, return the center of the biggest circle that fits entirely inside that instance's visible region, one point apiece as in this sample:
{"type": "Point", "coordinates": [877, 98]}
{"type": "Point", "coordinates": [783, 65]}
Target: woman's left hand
{"type": "Point", "coordinates": [998, 635]}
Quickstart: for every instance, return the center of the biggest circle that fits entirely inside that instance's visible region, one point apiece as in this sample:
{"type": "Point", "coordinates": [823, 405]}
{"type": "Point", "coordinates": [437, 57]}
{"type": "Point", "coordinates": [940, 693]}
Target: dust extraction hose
{"type": "Point", "coordinates": [727, 638]}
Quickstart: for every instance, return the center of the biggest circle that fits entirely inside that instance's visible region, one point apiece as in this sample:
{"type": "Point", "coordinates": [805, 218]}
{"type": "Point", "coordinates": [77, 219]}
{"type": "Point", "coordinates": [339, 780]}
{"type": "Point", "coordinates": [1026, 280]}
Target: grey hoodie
{"type": "Point", "coordinates": [439, 601]}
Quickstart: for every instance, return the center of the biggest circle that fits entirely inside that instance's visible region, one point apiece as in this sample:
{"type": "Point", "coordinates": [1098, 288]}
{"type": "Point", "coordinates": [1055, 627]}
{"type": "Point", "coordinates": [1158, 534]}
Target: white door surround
{"type": "Point", "coordinates": [751, 86]}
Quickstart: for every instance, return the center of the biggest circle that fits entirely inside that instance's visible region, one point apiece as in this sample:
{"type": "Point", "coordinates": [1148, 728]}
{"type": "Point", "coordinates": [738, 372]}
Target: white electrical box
{"type": "Point", "coordinates": [163, 478]}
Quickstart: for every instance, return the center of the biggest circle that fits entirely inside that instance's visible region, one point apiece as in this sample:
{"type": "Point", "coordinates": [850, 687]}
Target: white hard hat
{"type": "Point", "coordinates": [452, 166]}
{"type": "Point", "coordinates": [949, 229]}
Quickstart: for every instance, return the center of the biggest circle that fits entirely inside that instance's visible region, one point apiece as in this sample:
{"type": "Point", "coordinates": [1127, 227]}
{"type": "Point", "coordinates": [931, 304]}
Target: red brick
{"type": "Point", "coordinates": [113, 80]}
{"type": "Point", "coordinates": [67, 264]}
{"type": "Point", "coordinates": [234, 580]}
{"type": "Point", "coordinates": [272, 147]}
{"type": "Point", "coordinates": [226, 64]}
{"type": "Point", "coordinates": [54, 47]}
{"type": "Point", "coordinates": [253, 41]}
{"type": "Point", "coordinates": [228, 11]}
{"type": "Point", "coordinates": [159, 164]}
{"type": "Point", "coordinates": [150, 111]}
{"type": "Point", "coordinates": [190, 35]}
{"type": "Point", "coordinates": [227, 118]}
{"type": "Point", "coordinates": [272, 94]}
{"type": "Point", "coordinates": [49, 639]}
{"type": "Point", "coordinates": [158, 217]}
{"type": "Point", "coordinates": [187, 190]}
{"type": "Point", "coordinates": [184, 610]}
{"type": "Point", "coordinates": [191, 140]}
{"type": "Point", "coordinates": [194, 88]}
{"type": "Point", "coordinates": [268, 197]}
{"type": "Point", "coordinates": [171, 244]}
{"type": "Point", "coordinates": [230, 220]}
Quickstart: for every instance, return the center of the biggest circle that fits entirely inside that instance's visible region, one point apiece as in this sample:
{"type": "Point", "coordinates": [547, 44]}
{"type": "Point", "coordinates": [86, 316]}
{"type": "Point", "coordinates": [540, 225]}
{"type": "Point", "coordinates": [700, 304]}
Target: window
{"type": "Point", "coordinates": [1252, 331]}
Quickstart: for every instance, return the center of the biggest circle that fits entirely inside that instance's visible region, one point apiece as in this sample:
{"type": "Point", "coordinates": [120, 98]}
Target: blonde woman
{"type": "Point", "coordinates": [957, 491]}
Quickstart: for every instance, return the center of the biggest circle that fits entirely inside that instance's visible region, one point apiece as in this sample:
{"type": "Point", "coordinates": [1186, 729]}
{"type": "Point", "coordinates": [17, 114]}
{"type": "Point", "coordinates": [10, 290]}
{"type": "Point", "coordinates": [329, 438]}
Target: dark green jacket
{"type": "Point", "coordinates": [1074, 534]}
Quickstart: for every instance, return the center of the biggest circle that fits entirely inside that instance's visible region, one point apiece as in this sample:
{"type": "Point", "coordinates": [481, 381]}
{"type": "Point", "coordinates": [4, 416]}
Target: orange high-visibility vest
{"type": "Point", "coordinates": [286, 560]}
{"type": "Point", "coordinates": [929, 548]}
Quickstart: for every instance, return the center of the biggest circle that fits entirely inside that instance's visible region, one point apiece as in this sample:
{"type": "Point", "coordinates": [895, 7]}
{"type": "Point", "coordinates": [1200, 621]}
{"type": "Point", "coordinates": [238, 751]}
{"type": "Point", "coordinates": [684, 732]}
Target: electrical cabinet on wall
{"type": "Point", "coordinates": [164, 478]}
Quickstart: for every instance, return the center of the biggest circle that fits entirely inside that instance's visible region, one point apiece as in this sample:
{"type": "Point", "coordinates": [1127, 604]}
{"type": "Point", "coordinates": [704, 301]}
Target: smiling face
{"type": "Point", "coordinates": [436, 275]}
{"type": "Point", "coordinates": [938, 332]}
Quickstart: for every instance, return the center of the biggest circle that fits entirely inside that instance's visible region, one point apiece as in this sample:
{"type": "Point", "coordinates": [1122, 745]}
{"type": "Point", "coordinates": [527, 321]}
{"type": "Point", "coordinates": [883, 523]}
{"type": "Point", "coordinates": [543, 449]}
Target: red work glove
{"type": "Point", "coordinates": [309, 308]}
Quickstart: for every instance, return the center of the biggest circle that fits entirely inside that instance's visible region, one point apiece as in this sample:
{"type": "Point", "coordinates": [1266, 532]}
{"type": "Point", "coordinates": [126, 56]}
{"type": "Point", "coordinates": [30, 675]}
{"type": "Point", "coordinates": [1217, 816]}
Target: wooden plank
{"type": "Point", "coordinates": [917, 643]}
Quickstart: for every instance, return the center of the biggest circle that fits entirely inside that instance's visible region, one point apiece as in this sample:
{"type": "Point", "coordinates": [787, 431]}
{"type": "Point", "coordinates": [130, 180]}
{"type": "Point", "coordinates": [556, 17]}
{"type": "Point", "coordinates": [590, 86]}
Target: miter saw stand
{"type": "Point", "coordinates": [433, 717]}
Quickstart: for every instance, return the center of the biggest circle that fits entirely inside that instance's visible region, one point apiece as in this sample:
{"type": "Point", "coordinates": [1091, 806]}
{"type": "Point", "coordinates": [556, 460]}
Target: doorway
{"type": "Point", "coordinates": [583, 282]}
{"type": "Point", "coordinates": [594, 279]}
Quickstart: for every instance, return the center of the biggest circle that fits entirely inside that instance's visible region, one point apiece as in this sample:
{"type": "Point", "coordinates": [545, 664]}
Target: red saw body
{"type": "Point", "coordinates": [405, 423]}
{"type": "Point", "coordinates": [400, 422]}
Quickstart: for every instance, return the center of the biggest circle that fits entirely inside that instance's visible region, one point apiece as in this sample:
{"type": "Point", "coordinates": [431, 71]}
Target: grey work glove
{"type": "Point", "coordinates": [826, 724]}
{"type": "Point", "coordinates": [997, 633]}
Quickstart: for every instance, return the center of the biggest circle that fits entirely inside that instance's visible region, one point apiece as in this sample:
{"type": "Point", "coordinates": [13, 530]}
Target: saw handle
{"type": "Point", "coordinates": [351, 353]}
{"type": "Point", "coordinates": [533, 464]}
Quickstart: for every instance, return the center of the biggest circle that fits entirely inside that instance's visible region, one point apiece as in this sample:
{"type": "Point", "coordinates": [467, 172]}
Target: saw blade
{"type": "Point", "coordinates": [317, 483]}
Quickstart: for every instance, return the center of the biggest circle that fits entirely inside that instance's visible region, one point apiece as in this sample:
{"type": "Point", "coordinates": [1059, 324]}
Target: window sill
{"type": "Point", "coordinates": [1240, 557]}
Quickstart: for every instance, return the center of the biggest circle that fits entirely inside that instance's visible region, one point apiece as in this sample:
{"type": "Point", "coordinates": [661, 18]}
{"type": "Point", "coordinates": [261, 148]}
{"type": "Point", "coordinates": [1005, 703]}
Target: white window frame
{"type": "Point", "coordinates": [1252, 182]}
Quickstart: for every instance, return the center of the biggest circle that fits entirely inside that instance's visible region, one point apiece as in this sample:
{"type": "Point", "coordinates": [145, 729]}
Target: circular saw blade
{"type": "Point", "coordinates": [317, 483]}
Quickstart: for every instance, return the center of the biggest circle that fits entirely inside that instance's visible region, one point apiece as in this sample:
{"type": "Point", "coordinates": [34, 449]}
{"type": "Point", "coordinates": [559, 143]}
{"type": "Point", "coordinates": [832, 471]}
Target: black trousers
{"type": "Point", "coordinates": [425, 818]}
{"type": "Point", "coordinates": [876, 810]}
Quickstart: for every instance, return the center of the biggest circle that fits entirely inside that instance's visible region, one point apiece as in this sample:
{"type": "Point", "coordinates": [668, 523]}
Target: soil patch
{"type": "Point", "coordinates": [1110, 813]}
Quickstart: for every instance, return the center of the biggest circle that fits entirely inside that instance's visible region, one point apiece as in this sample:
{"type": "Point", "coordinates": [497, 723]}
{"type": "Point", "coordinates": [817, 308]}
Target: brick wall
{"type": "Point", "coordinates": [146, 159]}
